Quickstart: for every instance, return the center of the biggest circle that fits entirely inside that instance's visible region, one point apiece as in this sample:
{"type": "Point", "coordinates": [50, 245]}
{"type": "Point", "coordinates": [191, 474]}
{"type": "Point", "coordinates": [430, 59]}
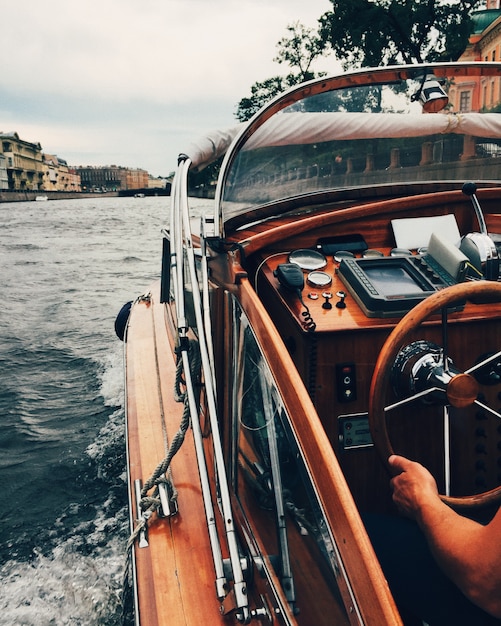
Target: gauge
{"type": "Point", "coordinates": [343, 254]}
{"type": "Point", "coordinates": [318, 279]}
{"type": "Point", "coordinates": [370, 254]}
{"type": "Point", "coordinates": [400, 252]}
{"type": "Point", "coordinates": [308, 259]}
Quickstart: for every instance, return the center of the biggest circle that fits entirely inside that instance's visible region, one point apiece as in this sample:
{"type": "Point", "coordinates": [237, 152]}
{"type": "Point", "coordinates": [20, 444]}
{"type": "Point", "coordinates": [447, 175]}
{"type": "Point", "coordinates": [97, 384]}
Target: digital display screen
{"type": "Point", "coordinates": [389, 286]}
{"type": "Point", "coordinates": [393, 280]}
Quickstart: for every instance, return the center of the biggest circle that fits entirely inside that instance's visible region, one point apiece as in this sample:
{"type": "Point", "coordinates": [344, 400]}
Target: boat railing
{"type": "Point", "coordinates": [182, 263]}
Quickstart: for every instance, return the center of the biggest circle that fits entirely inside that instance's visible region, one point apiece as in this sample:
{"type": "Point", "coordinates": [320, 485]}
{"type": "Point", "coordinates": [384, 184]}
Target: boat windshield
{"type": "Point", "coordinates": [364, 130]}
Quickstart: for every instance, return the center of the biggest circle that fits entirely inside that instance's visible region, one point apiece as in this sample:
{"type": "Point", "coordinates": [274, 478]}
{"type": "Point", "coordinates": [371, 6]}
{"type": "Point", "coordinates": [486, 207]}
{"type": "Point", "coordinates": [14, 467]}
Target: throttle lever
{"type": "Point", "coordinates": [479, 247]}
{"type": "Point", "coordinates": [469, 189]}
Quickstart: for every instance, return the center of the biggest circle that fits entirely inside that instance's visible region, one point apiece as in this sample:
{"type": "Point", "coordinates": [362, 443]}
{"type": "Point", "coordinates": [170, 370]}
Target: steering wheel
{"type": "Point", "coordinates": [458, 389]}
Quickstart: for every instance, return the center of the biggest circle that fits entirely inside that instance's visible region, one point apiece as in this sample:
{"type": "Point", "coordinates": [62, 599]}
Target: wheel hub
{"type": "Point", "coordinates": [462, 390]}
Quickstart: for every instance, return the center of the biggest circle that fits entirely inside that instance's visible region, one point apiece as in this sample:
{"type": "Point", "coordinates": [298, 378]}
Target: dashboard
{"type": "Point", "coordinates": [336, 317]}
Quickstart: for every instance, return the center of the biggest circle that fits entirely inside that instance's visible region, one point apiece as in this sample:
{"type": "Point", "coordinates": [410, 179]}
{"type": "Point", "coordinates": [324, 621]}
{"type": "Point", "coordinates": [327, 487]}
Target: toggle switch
{"type": "Point", "coordinates": [342, 296]}
{"type": "Point", "coordinates": [346, 382]}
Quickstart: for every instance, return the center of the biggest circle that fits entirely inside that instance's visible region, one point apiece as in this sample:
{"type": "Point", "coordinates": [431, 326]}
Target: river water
{"type": "Point", "coordinates": [67, 268]}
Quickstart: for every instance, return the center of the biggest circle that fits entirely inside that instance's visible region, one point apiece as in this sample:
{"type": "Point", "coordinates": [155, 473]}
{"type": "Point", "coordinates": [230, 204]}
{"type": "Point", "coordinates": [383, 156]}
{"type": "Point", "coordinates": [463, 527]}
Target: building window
{"type": "Point", "coordinates": [464, 101]}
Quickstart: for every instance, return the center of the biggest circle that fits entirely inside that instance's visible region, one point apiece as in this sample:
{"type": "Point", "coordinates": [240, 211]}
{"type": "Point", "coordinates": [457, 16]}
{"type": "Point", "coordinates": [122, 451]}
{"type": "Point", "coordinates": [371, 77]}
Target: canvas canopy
{"type": "Point", "coordinates": [308, 128]}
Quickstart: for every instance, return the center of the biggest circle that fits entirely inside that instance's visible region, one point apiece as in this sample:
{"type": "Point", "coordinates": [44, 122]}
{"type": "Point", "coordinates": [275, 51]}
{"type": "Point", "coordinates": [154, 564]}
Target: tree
{"type": "Point", "coordinates": [384, 32]}
{"type": "Point", "coordinates": [261, 93]}
{"type": "Point", "coordinates": [298, 50]}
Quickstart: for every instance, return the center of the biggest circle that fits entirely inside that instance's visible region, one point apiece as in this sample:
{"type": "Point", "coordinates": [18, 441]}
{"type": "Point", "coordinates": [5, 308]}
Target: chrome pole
{"type": "Point", "coordinates": [239, 585]}
{"type": "Point", "coordinates": [204, 481]}
{"type": "Point", "coordinates": [180, 205]}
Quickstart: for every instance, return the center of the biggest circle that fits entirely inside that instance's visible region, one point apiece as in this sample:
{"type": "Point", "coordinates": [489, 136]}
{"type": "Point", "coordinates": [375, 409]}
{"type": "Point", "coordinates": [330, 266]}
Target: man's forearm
{"type": "Point", "coordinates": [457, 544]}
{"type": "Point", "coordinates": [468, 553]}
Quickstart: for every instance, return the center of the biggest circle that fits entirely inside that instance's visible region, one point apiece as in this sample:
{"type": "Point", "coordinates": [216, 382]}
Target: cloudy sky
{"type": "Point", "coordinates": [132, 82]}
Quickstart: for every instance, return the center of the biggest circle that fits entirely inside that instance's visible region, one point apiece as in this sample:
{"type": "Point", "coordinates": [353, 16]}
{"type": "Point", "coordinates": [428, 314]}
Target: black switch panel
{"type": "Point", "coordinates": [346, 382]}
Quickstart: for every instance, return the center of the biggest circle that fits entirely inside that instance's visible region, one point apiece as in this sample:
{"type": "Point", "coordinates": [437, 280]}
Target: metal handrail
{"type": "Point", "coordinates": [184, 251]}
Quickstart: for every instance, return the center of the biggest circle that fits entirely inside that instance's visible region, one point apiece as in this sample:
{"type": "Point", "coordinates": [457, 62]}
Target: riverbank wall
{"type": "Point", "coordinates": [28, 196]}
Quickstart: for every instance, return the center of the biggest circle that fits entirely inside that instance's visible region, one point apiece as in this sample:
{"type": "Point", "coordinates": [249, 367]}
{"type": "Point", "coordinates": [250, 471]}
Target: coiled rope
{"type": "Point", "coordinates": [150, 503]}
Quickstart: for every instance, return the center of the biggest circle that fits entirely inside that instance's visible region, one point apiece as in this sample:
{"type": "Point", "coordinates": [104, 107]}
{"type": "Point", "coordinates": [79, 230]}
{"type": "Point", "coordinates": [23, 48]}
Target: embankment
{"type": "Point", "coordinates": [27, 196]}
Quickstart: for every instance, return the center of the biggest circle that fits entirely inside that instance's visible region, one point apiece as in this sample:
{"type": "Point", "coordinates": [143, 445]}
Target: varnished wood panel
{"type": "Point", "coordinates": [349, 336]}
{"type": "Point", "coordinates": [175, 573]}
{"type": "Point", "coordinates": [371, 219]}
{"type": "Point", "coordinates": [364, 573]}
{"type": "Point", "coordinates": [337, 320]}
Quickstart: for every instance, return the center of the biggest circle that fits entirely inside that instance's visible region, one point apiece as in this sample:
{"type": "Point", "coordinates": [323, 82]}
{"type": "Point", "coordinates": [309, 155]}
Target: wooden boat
{"type": "Point", "coordinates": [339, 303]}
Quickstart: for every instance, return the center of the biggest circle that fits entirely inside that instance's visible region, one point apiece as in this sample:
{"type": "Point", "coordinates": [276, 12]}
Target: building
{"type": "Point", "coordinates": [24, 163]}
{"type": "Point", "coordinates": [157, 182]}
{"type": "Point", "coordinates": [137, 179]}
{"type": "Point", "coordinates": [484, 45]}
{"type": "Point", "coordinates": [95, 178]}
{"type": "Point", "coordinates": [58, 176]}
{"type": "Point", "coordinates": [51, 172]}
{"type": "Point", "coordinates": [112, 178]}
{"type": "Point", "coordinates": [69, 178]}
{"type": "Point", "coordinates": [23, 167]}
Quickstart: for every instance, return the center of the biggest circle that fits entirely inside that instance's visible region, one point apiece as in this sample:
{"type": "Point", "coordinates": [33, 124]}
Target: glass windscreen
{"type": "Point", "coordinates": [369, 135]}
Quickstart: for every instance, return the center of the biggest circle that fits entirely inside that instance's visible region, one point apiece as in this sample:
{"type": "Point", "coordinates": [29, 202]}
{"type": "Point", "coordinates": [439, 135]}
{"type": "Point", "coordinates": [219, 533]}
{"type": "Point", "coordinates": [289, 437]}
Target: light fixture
{"type": "Point", "coordinates": [431, 95]}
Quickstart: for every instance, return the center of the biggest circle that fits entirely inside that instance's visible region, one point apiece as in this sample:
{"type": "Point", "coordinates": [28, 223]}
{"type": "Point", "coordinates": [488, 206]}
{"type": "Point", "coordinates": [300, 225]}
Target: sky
{"type": "Point", "coordinates": [133, 82]}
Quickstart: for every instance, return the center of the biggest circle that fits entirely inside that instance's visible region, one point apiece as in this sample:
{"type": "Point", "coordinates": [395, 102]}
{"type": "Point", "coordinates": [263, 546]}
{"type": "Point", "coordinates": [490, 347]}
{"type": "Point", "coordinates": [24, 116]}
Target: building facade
{"type": "Point", "coordinates": [137, 179]}
{"type": "Point", "coordinates": [24, 163]}
{"type": "Point", "coordinates": [58, 176]}
{"type": "Point", "coordinates": [24, 167]}
{"type": "Point", "coordinates": [95, 178]}
{"type": "Point", "coordinates": [484, 46]}
{"type": "Point", "coordinates": [69, 179]}
{"type": "Point", "coordinates": [112, 178]}
{"type": "Point", "coordinates": [157, 182]}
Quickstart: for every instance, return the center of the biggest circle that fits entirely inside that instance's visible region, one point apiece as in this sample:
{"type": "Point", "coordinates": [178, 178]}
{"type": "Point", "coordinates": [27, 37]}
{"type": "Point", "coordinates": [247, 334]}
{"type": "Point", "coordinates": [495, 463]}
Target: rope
{"type": "Point", "coordinates": [151, 503]}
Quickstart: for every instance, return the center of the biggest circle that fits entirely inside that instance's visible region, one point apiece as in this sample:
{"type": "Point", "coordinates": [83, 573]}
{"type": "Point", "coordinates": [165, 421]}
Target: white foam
{"type": "Point", "coordinates": [67, 587]}
{"type": "Point", "coordinates": [112, 376]}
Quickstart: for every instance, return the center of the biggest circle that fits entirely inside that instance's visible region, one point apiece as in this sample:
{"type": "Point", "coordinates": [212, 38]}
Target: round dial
{"type": "Point", "coordinates": [308, 259]}
{"type": "Point", "coordinates": [318, 279]}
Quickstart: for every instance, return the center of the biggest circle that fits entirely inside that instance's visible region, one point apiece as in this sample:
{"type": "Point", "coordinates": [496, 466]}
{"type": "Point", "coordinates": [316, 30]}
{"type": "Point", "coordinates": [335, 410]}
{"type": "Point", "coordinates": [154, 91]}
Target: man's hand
{"type": "Point", "coordinates": [413, 486]}
{"type": "Point", "coordinates": [468, 552]}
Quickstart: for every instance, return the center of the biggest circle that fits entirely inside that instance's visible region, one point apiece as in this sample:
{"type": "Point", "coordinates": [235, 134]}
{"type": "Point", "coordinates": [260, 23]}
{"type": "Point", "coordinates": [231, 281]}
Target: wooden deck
{"type": "Point", "coordinates": [175, 572]}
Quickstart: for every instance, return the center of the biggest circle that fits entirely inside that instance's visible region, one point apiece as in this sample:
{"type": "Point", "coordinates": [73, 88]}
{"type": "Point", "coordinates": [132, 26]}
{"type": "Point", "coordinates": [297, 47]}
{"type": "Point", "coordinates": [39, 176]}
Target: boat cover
{"type": "Point", "coordinates": [211, 146]}
{"type": "Point", "coordinates": [306, 128]}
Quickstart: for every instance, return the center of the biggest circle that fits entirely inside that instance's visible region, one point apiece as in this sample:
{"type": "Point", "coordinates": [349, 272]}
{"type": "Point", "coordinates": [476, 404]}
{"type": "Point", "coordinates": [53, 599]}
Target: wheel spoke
{"type": "Point", "coordinates": [488, 408]}
{"type": "Point", "coordinates": [410, 399]}
{"type": "Point", "coordinates": [478, 366]}
{"type": "Point", "coordinates": [445, 340]}
{"type": "Point", "coordinates": [447, 451]}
